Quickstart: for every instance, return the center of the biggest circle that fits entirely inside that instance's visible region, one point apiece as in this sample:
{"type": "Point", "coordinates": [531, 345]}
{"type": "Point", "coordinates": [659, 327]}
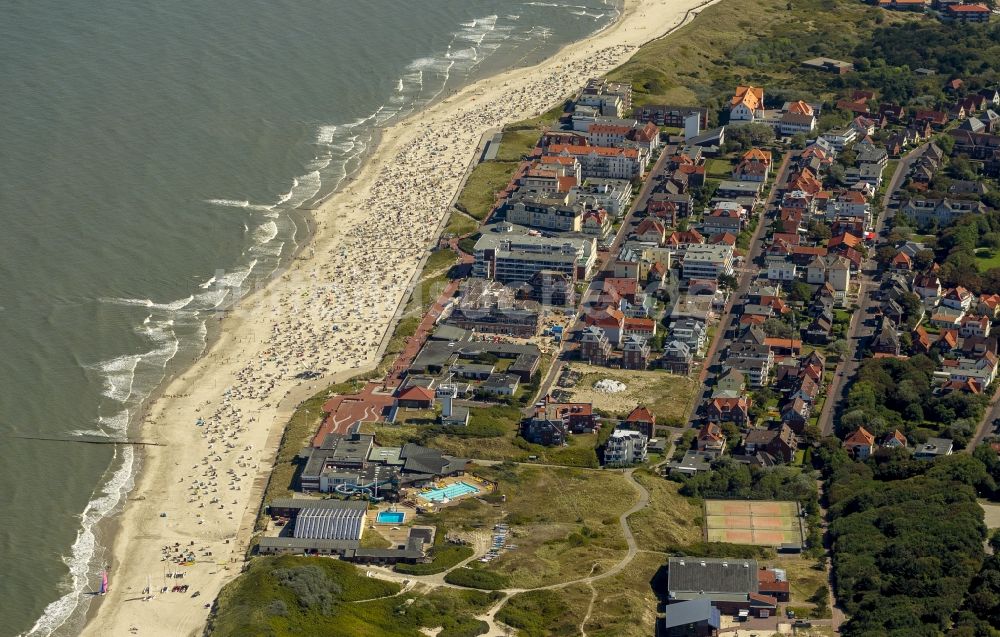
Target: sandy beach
{"type": "Point", "coordinates": [219, 423]}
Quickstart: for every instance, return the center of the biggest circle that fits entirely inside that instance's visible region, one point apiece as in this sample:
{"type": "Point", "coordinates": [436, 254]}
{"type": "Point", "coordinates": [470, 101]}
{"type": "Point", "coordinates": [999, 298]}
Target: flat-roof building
{"type": "Point", "coordinates": [708, 261]}
{"type": "Point", "coordinates": [511, 253]}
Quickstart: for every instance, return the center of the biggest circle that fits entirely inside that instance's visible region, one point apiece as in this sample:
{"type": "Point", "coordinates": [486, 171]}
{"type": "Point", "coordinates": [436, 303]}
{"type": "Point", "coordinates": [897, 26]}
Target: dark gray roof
{"type": "Point", "coordinates": [708, 576]}
{"type": "Point", "coordinates": [423, 460]}
{"type": "Point", "coordinates": [690, 612]}
{"type": "Point", "coordinates": [316, 503]}
{"type": "Point", "coordinates": [302, 544]}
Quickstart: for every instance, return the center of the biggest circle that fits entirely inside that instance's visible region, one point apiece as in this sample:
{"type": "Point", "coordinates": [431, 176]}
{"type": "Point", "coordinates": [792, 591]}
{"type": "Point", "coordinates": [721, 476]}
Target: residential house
{"type": "Point", "coordinates": [735, 410]}
{"type": "Point", "coordinates": [819, 330]}
{"type": "Point", "coordinates": [635, 353]}
{"type": "Point", "coordinates": [832, 269]}
{"type": "Point", "coordinates": [894, 440]}
{"type": "Point", "coordinates": [746, 104]}
{"type": "Point", "coordinates": [610, 320]}
{"type": "Point", "coordinates": [927, 287]}
{"type": "Point", "coordinates": [595, 346]}
{"type": "Point", "coordinates": [732, 382]}
{"type": "Point", "coordinates": [690, 331]}
{"type": "Point", "coordinates": [640, 419]}
{"type": "Point", "coordinates": [754, 165]}
{"type": "Point", "coordinates": [958, 298]}
{"type": "Point", "coordinates": [711, 439]}
{"type": "Point", "coordinates": [886, 339]}
{"type": "Point", "coordinates": [795, 414]}
{"type": "Point", "coordinates": [860, 443]}
{"type": "Point", "coordinates": [677, 358]}
{"type": "Point", "coordinates": [971, 325]}
{"type": "Point", "coordinates": [780, 442]}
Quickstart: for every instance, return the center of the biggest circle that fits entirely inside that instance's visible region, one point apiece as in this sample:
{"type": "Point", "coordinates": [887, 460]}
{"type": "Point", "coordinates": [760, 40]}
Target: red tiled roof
{"type": "Point", "coordinates": [860, 436]}
{"type": "Point", "coordinates": [640, 414]}
{"type": "Point", "coordinates": [416, 393]}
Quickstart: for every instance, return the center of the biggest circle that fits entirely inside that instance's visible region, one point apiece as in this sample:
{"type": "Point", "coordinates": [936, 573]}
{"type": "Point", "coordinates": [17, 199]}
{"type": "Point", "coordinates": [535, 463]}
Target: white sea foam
{"type": "Point", "coordinates": [265, 232]}
{"type": "Point", "coordinates": [326, 133]}
{"type": "Point", "coordinates": [117, 376]}
{"type": "Point", "coordinates": [306, 187]}
{"type": "Point", "coordinates": [173, 306]}
{"type": "Point", "coordinates": [237, 203]}
{"type": "Point", "coordinates": [106, 500]}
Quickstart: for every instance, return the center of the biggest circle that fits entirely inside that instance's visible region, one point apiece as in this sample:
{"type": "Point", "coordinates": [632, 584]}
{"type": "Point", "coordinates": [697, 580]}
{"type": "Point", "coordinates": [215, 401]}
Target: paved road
{"type": "Point", "coordinates": [747, 274]}
{"type": "Point", "coordinates": [856, 332]}
{"type": "Point", "coordinates": [986, 427]}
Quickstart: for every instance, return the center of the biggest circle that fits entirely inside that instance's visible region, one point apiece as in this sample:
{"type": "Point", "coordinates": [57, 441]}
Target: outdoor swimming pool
{"type": "Point", "coordinates": [451, 491]}
{"type": "Point", "coordinates": [390, 517]}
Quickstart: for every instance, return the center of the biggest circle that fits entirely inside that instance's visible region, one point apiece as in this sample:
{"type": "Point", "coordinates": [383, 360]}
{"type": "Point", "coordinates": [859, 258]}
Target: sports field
{"type": "Point", "coordinates": [760, 522]}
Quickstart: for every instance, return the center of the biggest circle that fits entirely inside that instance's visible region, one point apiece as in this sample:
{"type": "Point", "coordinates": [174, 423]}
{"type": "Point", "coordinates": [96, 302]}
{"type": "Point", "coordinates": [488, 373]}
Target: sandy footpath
{"type": "Point", "coordinates": [219, 424]}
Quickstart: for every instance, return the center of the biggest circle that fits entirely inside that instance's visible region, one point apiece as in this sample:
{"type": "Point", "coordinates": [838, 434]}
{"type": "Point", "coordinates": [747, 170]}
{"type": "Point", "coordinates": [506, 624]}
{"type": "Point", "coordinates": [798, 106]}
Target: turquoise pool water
{"type": "Point", "coordinates": [390, 517]}
{"type": "Point", "coordinates": [453, 490]}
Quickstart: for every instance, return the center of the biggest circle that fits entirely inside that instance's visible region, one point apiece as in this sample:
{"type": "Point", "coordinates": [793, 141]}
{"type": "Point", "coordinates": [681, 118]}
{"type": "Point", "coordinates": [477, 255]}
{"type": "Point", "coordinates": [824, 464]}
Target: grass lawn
{"type": "Point", "coordinates": [485, 181]}
{"type": "Point", "coordinates": [517, 143]}
{"type": "Point", "coordinates": [987, 259]}
{"type": "Point", "coordinates": [372, 539]}
{"type": "Point", "coordinates": [563, 521]}
{"type": "Point", "coordinates": [803, 580]}
{"type": "Point", "coordinates": [460, 224]}
{"type": "Point", "coordinates": [670, 520]}
{"type": "Point", "coordinates": [719, 168]}
{"type": "Point", "coordinates": [668, 396]}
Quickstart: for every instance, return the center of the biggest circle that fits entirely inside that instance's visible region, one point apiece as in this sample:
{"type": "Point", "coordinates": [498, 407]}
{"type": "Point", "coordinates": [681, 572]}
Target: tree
{"type": "Point", "coordinates": [840, 348]}
{"type": "Point", "coordinates": [728, 281]}
{"type": "Point", "coordinates": [778, 328]}
{"type": "Point", "coordinates": [885, 255]}
{"type": "Point", "coordinates": [819, 232]}
{"type": "Point", "coordinates": [923, 259]}
{"type": "Point", "coordinates": [800, 291]}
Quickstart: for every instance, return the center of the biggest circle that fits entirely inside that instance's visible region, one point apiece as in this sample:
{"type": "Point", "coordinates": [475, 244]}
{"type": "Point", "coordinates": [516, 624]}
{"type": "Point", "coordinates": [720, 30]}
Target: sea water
{"type": "Point", "coordinates": [155, 159]}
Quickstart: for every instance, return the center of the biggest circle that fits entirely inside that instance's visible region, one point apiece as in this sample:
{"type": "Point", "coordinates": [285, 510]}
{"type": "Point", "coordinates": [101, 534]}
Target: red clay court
{"type": "Point", "coordinates": [759, 522]}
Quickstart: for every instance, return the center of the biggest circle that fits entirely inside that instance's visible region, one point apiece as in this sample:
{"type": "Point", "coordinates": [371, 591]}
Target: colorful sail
{"type": "Point", "coordinates": [104, 582]}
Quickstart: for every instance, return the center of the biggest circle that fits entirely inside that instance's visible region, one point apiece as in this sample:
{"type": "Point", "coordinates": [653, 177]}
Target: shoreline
{"type": "Point", "coordinates": [242, 325]}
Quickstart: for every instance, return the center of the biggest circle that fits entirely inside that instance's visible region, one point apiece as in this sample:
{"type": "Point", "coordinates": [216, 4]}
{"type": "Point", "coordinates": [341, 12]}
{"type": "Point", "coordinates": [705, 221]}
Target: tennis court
{"type": "Point", "coordinates": [760, 522]}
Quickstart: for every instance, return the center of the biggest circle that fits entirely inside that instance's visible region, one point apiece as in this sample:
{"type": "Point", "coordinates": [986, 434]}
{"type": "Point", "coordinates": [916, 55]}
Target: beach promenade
{"type": "Point", "coordinates": [221, 421]}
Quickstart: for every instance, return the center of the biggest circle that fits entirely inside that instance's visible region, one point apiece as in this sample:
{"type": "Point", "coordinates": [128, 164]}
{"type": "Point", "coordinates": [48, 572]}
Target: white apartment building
{"type": "Point", "coordinates": [625, 447]}
{"type": "Point", "coordinates": [706, 261]}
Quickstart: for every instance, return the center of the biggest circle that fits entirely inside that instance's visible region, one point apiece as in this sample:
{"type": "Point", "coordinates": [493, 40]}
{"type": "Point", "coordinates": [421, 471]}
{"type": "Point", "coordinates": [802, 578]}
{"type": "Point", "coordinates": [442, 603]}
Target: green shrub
{"type": "Point", "coordinates": [476, 578]}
